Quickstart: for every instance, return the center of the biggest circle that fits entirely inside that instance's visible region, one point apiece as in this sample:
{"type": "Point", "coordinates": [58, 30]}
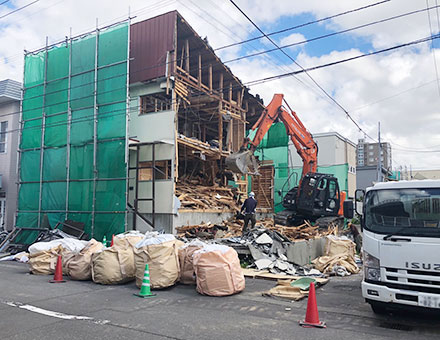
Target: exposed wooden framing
{"type": "Point", "coordinates": [230, 134]}
{"type": "Point", "coordinates": [182, 56]}
{"type": "Point", "coordinates": [220, 85]}
{"type": "Point", "coordinates": [220, 127]}
{"type": "Point", "coordinates": [239, 98]}
{"type": "Point", "coordinates": [168, 73]}
{"type": "Point", "coordinates": [187, 56]}
{"type": "Point", "coordinates": [210, 78]}
{"type": "Point", "coordinates": [230, 92]}
{"type": "Point", "coordinates": [200, 69]}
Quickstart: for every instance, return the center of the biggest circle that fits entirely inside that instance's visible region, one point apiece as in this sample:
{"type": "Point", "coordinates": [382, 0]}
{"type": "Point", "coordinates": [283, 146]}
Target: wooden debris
{"type": "Point", "coordinates": [198, 197]}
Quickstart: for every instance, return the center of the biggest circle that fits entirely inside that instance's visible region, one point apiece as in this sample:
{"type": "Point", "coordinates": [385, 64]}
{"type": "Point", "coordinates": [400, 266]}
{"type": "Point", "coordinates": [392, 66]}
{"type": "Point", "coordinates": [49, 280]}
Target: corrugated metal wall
{"type": "Point", "coordinates": [150, 40]}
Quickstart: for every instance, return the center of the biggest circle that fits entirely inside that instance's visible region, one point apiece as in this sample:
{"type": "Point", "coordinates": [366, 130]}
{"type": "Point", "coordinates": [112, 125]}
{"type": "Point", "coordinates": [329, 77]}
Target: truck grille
{"type": "Point", "coordinates": [423, 281]}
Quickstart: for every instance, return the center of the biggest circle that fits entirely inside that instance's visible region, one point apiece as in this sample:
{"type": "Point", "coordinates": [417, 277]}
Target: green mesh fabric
{"type": "Point", "coordinates": [33, 102]}
{"type": "Point", "coordinates": [67, 187]}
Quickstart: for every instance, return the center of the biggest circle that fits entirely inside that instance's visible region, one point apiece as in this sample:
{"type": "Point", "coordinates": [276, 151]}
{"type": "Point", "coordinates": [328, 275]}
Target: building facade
{"type": "Point", "coordinates": [10, 96]}
{"type": "Point", "coordinates": [336, 156]}
{"type": "Point", "coordinates": [368, 154]}
{"type": "Point", "coordinates": [128, 127]}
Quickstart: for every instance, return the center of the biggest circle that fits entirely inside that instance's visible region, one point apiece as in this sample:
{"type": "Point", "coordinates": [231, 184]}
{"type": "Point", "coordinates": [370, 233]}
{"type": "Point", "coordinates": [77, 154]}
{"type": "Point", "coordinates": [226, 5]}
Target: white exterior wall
{"type": "Point", "coordinates": [8, 162]}
{"type": "Point", "coordinates": [146, 128]}
{"type": "Point", "coordinates": [333, 149]}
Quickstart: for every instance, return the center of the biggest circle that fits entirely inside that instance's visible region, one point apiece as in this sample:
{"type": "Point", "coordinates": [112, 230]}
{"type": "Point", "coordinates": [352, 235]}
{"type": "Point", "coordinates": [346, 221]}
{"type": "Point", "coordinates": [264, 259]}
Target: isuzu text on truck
{"type": "Point", "coordinates": [401, 244]}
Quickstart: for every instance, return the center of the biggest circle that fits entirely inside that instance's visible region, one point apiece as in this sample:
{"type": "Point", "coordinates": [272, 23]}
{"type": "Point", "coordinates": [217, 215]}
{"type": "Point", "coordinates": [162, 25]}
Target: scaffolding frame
{"type": "Point", "coordinates": [98, 141]}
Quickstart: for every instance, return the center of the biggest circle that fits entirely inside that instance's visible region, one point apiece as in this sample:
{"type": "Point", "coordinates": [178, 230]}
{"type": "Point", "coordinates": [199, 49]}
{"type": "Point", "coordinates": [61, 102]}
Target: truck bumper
{"type": "Point", "coordinates": [372, 292]}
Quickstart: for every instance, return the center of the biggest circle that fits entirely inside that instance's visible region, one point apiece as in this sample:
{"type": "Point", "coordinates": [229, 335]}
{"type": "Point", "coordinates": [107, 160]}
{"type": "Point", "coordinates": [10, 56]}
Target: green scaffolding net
{"type": "Point", "coordinates": [73, 141]}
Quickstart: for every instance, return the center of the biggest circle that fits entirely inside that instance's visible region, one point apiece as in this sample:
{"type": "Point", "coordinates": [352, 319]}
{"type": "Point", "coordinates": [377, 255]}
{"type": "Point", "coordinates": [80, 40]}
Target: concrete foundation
{"type": "Point", "coordinates": [303, 252]}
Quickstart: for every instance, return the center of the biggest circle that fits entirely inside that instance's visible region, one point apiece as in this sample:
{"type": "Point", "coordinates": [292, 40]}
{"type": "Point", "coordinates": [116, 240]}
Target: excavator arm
{"type": "Point", "coordinates": [306, 147]}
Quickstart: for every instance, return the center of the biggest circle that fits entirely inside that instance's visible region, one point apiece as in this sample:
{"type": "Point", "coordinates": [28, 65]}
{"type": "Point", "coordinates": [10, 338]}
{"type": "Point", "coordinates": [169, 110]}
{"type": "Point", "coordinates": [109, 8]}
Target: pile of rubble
{"type": "Point", "coordinates": [206, 231]}
{"type": "Point", "coordinates": [194, 196]}
{"type": "Point", "coordinates": [278, 249]}
{"type": "Point", "coordinates": [268, 250]}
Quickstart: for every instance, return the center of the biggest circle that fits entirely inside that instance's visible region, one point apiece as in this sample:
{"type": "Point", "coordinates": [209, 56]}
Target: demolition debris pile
{"type": "Point", "coordinates": [192, 195]}
{"type": "Point", "coordinates": [276, 249]}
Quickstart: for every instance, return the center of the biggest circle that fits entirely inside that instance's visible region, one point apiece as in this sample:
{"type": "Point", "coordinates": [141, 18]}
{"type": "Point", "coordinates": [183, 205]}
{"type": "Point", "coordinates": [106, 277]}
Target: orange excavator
{"type": "Point", "coordinates": [317, 197]}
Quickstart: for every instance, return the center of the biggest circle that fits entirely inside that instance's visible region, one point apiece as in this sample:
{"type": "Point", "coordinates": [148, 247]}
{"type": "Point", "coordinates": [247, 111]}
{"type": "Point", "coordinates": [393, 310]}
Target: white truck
{"type": "Point", "coordinates": [401, 244]}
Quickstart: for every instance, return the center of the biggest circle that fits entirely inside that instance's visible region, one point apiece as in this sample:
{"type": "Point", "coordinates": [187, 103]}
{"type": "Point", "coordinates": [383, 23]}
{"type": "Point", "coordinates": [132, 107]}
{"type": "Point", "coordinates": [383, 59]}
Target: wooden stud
{"type": "Point", "coordinates": [200, 69]}
{"type": "Point", "coordinates": [230, 92]}
{"type": "Point", "coordinates": [210, 78]}
{"type": "Point", "coordinates": [220, 128]}
{"type": "Point", "coordinates": [221, 85]}
{"type": "Point", "coordinates": [187, 56]}
{"type": "Point", "coordinates": [182, 56]}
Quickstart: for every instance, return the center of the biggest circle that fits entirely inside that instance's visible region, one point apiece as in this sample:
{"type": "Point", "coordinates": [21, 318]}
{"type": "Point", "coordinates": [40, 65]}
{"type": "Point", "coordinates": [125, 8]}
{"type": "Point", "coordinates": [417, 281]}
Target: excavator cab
{"type": "Point", "coordinates": [319, 195]}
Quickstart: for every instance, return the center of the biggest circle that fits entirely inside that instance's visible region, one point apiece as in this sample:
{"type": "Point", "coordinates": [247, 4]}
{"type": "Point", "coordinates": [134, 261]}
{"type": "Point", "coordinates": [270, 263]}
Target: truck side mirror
{"type": "Point", "coordinates": [359, 199]}
{"type": "Point", "coordinates": [348, 209]}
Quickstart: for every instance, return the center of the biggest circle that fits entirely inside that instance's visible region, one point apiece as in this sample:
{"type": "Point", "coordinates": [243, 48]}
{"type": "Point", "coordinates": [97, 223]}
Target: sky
{"type": "Point", "coordinates": [399, 88]}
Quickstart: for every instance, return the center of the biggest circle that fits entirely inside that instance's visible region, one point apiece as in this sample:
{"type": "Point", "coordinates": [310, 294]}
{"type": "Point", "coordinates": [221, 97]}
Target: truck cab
{"type": "Point", "coordinates": [401, 245]}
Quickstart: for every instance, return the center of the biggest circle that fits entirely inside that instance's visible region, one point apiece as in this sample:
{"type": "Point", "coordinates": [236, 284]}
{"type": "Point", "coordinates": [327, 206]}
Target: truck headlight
{"type": "Point", "coordinates": [371, 267]}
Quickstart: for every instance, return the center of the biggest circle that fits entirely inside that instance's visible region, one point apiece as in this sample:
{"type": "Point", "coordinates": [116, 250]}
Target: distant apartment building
{"type": "Point", "coordinates": [368, 154]}
{"type": "Point", "coordinates": [10, 96]}
{"type": "Point", "coordinates": [367, 159]}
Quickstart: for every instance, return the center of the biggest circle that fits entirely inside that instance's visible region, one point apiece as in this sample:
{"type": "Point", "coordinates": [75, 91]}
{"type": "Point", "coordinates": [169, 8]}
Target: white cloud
{"type": "Point", "coordinates": [293, 39]}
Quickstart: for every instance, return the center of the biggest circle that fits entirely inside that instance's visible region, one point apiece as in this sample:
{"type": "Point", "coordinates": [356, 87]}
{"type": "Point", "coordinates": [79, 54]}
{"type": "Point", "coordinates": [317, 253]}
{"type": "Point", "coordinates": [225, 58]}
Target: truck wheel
{"type": "Point", "coordinates": [378, 308]}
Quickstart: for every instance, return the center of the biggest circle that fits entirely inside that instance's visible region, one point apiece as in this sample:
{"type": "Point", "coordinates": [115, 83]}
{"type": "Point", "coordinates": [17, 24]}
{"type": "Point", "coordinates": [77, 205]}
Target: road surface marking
{"type": "Point", "coordinates": [54, 314]}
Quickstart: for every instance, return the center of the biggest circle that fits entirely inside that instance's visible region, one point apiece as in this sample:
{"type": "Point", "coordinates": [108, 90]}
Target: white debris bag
{"type": "Point", "coordinates": [70, 244]}
{"type": "Point", "coordinates": [79, 266]}
{"type": "Point", "coordinates": [113, 266]}
{"type": "Point", "coordinates": [127, 239]}
{"type": "Point", "coordinates": [44, 262]}
{"type": "Point", "coordinates": [160, 251]}
{"type": "Point", "coordinates": [218, 271]}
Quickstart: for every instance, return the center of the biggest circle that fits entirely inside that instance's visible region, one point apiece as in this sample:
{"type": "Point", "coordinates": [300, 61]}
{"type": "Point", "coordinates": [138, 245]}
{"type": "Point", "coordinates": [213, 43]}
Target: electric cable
{"type": "Point", "coordinates": [302, 25]}
{"type": "Point", "coordinates": [18, 9]}
{"type": "Point", "coordinates": [302, 68]}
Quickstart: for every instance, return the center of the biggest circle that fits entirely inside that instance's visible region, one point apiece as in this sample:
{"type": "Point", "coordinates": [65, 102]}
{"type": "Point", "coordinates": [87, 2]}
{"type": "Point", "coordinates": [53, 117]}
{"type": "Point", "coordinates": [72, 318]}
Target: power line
{"type": "Point", "coordinates": [18, 9]}
{"type": "Point", "coordinates": [432, 47]}
{"type": "Point", "coordinates": [302, 25]}
{"type": "Point", "coordinates": [210, 23]}
{"type": "Point", "coordinates": [4, 2]}
{"type": "Point", "coordinates": [279, 76]}
{"type": "Point", "coordinates": [250, 83]}
{"type": "Point", "coordinates": [251, 55]}
{"type": "Point", "coordinates": [304, 70]}
{"type": "Point", "coordinates": [333, 34]}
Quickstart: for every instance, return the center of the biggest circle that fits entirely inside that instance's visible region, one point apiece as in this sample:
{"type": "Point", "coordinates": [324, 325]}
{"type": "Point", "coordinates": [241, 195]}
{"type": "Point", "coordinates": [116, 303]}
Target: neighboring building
{"type": "Point", "coordinates": [425, 174]}
{"type": "Point", "coordinates": [10, 96]}
{"type": "Point", "coordinates": [368, 154]}
{"type": "Point", "coordinates": [336, 156]}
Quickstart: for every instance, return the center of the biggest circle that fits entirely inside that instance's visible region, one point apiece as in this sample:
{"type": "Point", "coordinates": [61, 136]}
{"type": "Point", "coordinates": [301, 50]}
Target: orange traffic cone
{"type": "Point", "coordinates": [113, 239]}
{"type": "Point", "coordinates": [58, 276]}
{"type": "Point", "coordinates": [312, 317]}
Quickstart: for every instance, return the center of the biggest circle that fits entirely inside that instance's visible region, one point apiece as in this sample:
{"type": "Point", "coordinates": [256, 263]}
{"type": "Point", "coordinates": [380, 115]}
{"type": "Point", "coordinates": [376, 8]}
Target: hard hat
{"type": "Point", "coordinates": [251, 194]}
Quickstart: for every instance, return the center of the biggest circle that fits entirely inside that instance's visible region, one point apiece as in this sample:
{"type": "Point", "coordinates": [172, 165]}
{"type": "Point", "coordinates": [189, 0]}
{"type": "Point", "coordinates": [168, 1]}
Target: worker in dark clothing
{"type": "Point", "coordinates": [248, 208]}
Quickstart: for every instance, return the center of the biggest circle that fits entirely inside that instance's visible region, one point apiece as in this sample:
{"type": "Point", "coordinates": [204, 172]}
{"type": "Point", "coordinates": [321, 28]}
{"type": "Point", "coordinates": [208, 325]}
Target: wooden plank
{"type": "Point", "coordinates": [187, 56]}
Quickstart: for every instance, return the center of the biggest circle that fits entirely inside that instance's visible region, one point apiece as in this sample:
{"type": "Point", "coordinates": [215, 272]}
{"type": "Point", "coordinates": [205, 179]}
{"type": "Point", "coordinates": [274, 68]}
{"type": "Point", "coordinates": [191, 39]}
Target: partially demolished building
{"type": "Point", "coordinates": [127, 128]}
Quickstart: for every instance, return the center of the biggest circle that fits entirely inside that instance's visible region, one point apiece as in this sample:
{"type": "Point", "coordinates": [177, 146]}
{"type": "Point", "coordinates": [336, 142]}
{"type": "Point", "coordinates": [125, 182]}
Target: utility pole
{"type": "Point", "coordinates": [379, 161]}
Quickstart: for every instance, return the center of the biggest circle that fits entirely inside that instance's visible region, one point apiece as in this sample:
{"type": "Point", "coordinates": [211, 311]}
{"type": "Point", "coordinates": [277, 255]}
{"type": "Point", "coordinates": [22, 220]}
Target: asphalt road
{"type": "Point", "coordinates": [28, 303]}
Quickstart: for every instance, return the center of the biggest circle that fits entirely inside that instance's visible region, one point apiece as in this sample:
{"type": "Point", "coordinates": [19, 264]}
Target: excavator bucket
{"type": "Point", "coordinates": [243, 163]}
